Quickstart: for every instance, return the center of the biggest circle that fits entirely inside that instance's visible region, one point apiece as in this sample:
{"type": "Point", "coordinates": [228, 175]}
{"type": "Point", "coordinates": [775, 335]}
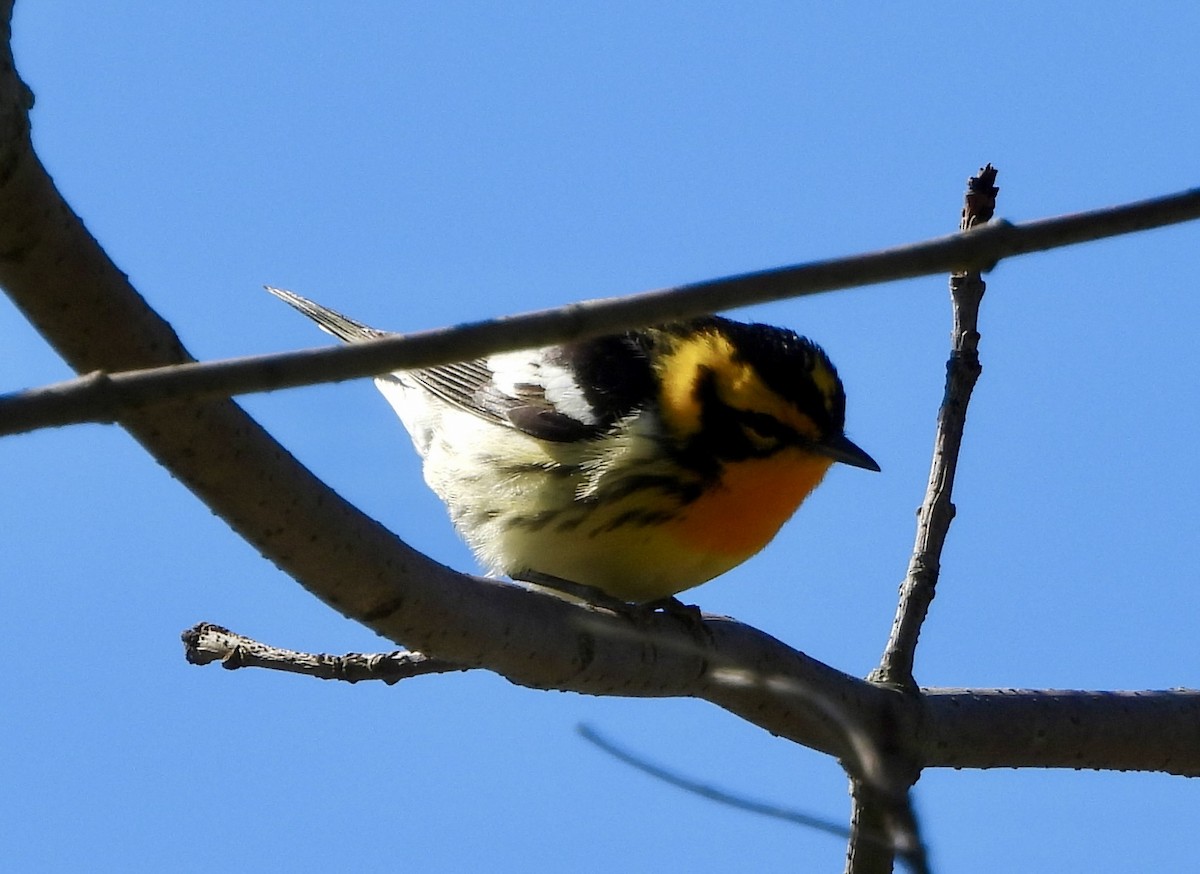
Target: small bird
{"type": "Point", "coordinates": [640, 464]}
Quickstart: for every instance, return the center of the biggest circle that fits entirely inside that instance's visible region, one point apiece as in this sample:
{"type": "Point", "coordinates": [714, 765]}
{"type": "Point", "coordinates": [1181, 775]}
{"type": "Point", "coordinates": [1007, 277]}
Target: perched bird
{"type": "Point", "coordinates": [640, 464]}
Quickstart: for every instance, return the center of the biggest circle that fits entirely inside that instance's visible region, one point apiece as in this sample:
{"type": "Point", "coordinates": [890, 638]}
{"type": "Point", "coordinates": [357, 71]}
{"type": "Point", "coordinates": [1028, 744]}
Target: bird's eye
{"type": "Point", "coordinates": [762, 432]}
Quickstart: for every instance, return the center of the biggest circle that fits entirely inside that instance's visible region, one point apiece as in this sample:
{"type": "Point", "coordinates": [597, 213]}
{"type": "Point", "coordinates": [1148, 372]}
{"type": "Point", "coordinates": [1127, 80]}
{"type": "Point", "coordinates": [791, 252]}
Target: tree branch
{"type": "Point", "coordinates": [1023, 728]}
{"type": "Point", "coordinates": [874, 813]}
{"type": "Point", "coordinates": [873, 809]}
{"type": "Point", "coordinates": [99, 397]}
{"type": "Point", "coordinates": [63, 281]}
{"type": "Point", "coordinates": [712, 793]}
{"type": "Point", "coordinates": [937, 510]}
{"type": "Point", "coordinates": [1151, 730]}
{"type": "Point", "coordinates": [206, 643]}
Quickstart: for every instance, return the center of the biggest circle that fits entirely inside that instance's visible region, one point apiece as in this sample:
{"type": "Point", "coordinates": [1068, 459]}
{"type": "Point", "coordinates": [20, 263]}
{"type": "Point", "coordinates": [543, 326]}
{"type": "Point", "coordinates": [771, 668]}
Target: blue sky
{"type": "Point", "coordinates": [416, 165]}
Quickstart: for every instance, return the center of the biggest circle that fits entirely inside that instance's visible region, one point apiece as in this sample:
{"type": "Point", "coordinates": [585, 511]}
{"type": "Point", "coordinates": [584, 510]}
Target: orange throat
{"type": "Point", "coordinates": [753, 499]}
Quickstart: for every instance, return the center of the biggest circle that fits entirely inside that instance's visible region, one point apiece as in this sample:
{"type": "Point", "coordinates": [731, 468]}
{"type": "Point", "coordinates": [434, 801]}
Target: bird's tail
{"type": "Point", "coordinates": [329, 321]}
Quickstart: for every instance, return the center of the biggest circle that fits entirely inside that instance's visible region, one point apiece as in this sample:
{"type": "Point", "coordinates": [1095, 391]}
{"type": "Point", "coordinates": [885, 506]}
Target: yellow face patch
{"type": "Point", "coordinates": [680, 369]}
{"type": "Point", "coordinates": [738, 386]}
{"type": "Point", "coordinates": [826, 382]}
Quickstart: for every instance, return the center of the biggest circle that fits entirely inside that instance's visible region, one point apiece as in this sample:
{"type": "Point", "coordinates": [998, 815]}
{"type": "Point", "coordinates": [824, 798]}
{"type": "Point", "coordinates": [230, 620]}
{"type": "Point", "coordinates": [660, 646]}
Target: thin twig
{"type": "Point", "coordinates": [742, 802]}
{"type": "Point", "coordinates": [937, 510]}
{"type": "Point", "coordinates": [705, 790]}
{"type": "Point", "coordinates": [890, 809]}
{"type": "Point", "coordinates": [206, 643]}
{"type": "Point", "coordinates": [99, 397]}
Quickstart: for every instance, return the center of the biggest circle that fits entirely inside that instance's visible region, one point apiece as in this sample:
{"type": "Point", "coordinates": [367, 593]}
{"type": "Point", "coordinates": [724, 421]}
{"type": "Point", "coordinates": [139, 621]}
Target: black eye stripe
{"type": "Point", "coordinates": [765, 425]}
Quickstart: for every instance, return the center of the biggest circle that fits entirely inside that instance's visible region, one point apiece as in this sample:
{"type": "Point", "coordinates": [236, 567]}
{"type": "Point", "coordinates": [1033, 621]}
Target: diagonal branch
{"type": "Point", "coordinates": [59, 276]}
{"type": "Point", "coordinates": [99, 397]}
{"type": "Point", "coordinates": [57, 273]}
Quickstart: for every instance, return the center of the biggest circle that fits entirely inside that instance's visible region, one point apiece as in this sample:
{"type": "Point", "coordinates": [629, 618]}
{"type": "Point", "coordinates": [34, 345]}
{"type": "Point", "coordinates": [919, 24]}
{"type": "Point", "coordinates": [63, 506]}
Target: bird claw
{"type": "Point", "coordinates": [689, 615]}
{"type": "Point", "coordinates": [642, 614]}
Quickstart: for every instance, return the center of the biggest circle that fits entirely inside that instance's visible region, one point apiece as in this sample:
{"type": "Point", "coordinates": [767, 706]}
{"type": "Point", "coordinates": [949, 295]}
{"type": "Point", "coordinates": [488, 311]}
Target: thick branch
{"type": "Point", "coordinates": [875, 815]}
{"type": "Point", "coordinates": [957, 728]}
{"type": "Point", "coordinates": [57, 273]}
{"type": "Point", "coordinates": [59, 276]}
{"type": "Point", "coordinates": [1022, 728]}
{"type": "Point", "coordinates": [863, 855]}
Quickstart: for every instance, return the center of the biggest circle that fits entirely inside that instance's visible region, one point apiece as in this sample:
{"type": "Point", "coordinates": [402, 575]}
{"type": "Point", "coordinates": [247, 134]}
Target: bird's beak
{"type": "Point", "coordinates": [841, 448]}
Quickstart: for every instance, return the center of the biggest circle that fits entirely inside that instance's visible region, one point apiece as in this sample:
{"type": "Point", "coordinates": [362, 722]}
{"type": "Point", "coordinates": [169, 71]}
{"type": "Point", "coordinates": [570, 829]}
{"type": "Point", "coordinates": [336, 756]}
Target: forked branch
{"type": "Point", "coordinates": [73, 293]}
{"type": "Point", "coordinates": [891, 811]}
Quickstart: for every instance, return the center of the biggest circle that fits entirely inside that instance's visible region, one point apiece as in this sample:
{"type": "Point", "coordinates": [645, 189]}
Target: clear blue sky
{"type": "Point", "coordinates": [422, 164]}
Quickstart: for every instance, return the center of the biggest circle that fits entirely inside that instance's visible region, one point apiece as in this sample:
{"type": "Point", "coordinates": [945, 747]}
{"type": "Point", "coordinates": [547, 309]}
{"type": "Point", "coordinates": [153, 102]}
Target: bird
{"type": "Point", "coordinates": [636, 465]}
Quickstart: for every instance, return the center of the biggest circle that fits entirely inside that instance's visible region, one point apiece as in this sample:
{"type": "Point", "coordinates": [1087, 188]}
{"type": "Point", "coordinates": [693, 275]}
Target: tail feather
{"type": "Point", "coordinates": [328, 320]}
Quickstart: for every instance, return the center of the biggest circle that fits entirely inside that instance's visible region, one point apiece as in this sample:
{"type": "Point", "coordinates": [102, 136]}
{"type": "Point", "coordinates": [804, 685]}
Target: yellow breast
{"type": "Point", "coordinates": [730, 522]}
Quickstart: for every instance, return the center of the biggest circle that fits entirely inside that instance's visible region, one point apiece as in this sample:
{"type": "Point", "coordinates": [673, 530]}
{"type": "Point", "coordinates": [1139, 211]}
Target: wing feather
{"type": "Point", "coordinates": [559, 394]}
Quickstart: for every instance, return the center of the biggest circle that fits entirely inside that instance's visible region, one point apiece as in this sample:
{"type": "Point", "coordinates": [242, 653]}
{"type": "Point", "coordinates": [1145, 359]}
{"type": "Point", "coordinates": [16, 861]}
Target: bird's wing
{"type": "Point", "coordinates": [558, 394]}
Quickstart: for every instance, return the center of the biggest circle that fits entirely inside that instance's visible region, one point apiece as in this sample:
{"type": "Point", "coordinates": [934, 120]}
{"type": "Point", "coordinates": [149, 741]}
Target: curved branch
{"type": "Point", "coordinates": [59, 276]}
{"type": "Point", "coordinates": [1150, 730]}
{"type": "Point", "coordinates": [83, 304]}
